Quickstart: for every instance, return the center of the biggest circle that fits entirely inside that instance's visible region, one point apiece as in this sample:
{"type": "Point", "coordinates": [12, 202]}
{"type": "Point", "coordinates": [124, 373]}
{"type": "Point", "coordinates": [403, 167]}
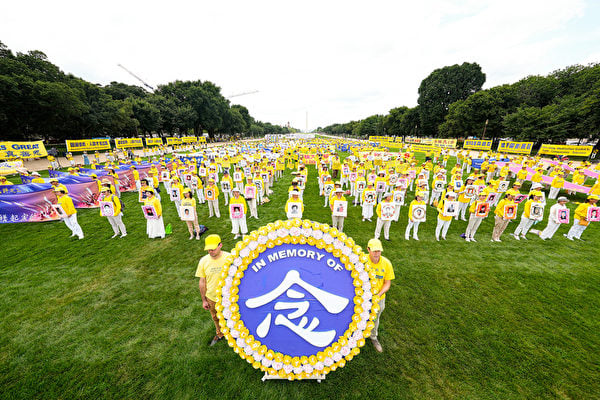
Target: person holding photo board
{"type": "Point", "coordinates": [188, 202]}
{"type": "Point", "coordinates": [478, 211]}
{"type": "Point", "coordinates": [553, 218]}
{"type": "Point", "coordinates": [250, 195]}
{"type": "Point", "coordinates": [155, 226]}
{"type": "Point", "coordinates": [237, 213]}
{"type": "Point", "coordinates": [384, 220]}
{"type": "Point", "coordinates": [338, 210]}
{"type": "Point", "coordinates": [368, 201]}
{"type": "Point", "coordinates": [502, 216]}
{"type": "Point", "coordinates": [112, 211]}
{"type": "Point", "coordinates": [413, 224]}
{"type": "Point", "coordinates": [526, 218]}
{"type": "Point", "coordinates": [211, 193]}
{"type": "Point", "coordinates": [581, 220]}
{"type": "Point", "coordinates": [445, 214]}
{"type": "Point", "coordinates": [294, 207]}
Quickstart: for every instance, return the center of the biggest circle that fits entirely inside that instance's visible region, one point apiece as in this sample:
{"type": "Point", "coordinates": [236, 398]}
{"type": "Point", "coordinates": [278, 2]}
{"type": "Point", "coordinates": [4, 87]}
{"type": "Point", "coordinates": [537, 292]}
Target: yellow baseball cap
{"type": "Point", "coordinates": [212, 242]}
{"type": "Point", "coordinates": [375, 245]}
{"type": "Point", "coordinates": [593, 197]}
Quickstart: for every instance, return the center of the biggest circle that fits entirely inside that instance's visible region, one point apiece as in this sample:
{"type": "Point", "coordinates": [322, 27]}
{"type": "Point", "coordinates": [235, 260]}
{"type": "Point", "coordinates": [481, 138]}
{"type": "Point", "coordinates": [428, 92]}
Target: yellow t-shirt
{"type": "Point", "coordinates": [210, 269]}
{"type": "Point", "coordinates": [383, 272]}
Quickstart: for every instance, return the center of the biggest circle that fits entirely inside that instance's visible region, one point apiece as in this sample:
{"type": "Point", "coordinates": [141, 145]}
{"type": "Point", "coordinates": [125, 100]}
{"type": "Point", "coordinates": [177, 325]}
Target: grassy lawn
{"type": "Point", "coordinates": [123, 318]}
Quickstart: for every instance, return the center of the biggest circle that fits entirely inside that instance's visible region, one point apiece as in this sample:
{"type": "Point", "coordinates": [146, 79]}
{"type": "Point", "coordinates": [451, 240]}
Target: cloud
{"type": "Point", "coordinates": [339, 61]}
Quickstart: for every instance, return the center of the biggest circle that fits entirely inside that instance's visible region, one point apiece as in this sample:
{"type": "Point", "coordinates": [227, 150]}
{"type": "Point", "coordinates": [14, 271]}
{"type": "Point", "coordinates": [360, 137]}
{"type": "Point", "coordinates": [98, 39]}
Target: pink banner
{"type": "Point", "coordinates": [587, 172]}
{"type": "Point", "coordinates": [28, 207]}
{"type": "Point", "coordinates": [545, 178]}
{"type": "Point", "coordinates": [84, 195]}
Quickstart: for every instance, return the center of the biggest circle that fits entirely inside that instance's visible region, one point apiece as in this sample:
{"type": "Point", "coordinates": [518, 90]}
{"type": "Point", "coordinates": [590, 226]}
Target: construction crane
{"type": "Point", "coordinates": [242, 94]}
{"type": "Point", "coordinates": [136, 77]}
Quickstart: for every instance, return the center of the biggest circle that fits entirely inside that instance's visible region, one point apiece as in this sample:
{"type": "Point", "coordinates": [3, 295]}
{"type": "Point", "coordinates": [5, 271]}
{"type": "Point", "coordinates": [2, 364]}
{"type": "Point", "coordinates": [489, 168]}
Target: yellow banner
{"type": "Point", "coordinates": [22, 150]}
{"type": "Point", "coordinates": [88, 144]}
{"type": "Point", "coordinates": [477, 144]}
{"type": "Point", "coordinates": [425, 148]}
{"type": "Point", "coordinates": [173, 140]}
{"type": "Point", "coordinates": [202, 139]}
{"type": "Point", "coordinates": [189, 139]}
{"type": "Point", "coordinates": [154, 141]}
{"type": "Point", "coordinates": [445, 143]}
{"type": "Point", "coordinates": [130, 142]}
{"type": "Point", "coordinates": [566, 150]}
{"type": "Point", "coordinates": [506, 146]}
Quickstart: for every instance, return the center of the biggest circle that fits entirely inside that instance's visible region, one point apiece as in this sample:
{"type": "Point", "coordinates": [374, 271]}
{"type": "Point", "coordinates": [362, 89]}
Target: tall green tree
{"type": "Point", "coordinates": [443, 87]}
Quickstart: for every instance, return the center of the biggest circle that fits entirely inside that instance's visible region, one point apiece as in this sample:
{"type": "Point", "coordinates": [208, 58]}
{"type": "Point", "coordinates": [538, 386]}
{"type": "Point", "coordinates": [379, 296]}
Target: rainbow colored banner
{"type": "Point", "coordinates": [31, 206]}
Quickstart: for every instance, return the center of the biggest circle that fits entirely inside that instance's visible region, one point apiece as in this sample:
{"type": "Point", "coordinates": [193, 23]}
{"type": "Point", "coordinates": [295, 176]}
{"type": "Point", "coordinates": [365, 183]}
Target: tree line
{"type": "Point", "coordinates": [564, 104]}
{"type": "Point", "coordinates": [38, 100]}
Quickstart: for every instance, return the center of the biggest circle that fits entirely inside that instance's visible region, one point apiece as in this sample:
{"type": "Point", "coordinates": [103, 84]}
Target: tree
{"type": "Point", "coordinates": [393, 121]}
{"type": "Point", "coordinates": [443, 87]}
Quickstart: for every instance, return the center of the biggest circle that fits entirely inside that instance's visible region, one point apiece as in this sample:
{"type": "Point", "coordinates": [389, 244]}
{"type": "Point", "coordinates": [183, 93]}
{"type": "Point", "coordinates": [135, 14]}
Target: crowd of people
{"type": "Point", "coordinates": [378, 184]}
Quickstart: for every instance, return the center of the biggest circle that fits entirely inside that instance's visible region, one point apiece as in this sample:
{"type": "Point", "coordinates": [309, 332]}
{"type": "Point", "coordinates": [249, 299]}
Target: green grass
{"type": "Point", "coordinates": [123, 318]}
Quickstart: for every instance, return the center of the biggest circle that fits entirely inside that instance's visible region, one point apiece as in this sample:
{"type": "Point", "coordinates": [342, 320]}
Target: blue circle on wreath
{"type": "Point", "coordinates": [296, 299]}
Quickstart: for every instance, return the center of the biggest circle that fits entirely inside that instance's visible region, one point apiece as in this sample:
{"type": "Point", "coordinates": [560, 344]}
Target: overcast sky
{"type": "Point", "coordinates": [336, 60]}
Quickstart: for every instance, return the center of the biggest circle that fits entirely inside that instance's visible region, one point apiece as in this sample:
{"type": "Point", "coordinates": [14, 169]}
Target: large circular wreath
{"type": "Point", "coordinates": [366, 304]}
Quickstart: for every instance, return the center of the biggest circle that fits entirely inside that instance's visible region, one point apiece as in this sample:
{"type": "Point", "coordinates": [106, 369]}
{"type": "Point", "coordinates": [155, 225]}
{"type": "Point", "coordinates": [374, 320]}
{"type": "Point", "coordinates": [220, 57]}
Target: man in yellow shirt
{"type": "Point", "coordinates": [580, 220]}
{"type": "Point", "coordinates": [37, 177]}
{"type": "Point", "coordinates": [209, 272]}
{"type": "Point", "coordinates": [5, 182]}
{"type": "Point", "coordinates": [384, 274]}
{"type": "Point", "coordinates": [68, 207]}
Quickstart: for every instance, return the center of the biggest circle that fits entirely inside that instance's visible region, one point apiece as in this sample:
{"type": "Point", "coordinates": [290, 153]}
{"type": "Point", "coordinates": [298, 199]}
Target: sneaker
{"type": "Point", "coordinates": [215, 340]}
{"type": "Point", "coordinates": [377, 345]}
{"type": "Point", "coordinates": [467, 239]}
{"type": "Point", "coordinates": [437, 238]}
{"type": "Point", "coordinates": [406, 238]}
{"type": "Point", "coordinates": [516, 237]}
{"type": "Point", "coordinates": [236, 236]}
{"type": "Point", "coordinates": [443, 237]}
{"type": "Point", "coordinates": [123, 235]}
{"type": "Point", "coordinates": [114, 236]}
{"type": "Point", "coordinates": [415, 237]}
{"type": "Point", "coordinates": [523, 237]}
{"type": "Point", "coordinates": [197, 237]}
{"type": "Point", "coordinates": [568, 237]}
{"type": "Point", "coordinates": [498, 240]}
{"type": "Point", "coordinates": [191, 237]}
{"type": "Point", "coordinates": [473, 240]}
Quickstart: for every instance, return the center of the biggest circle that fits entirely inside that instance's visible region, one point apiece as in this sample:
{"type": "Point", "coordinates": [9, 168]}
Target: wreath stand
{"type": "Point", "coordinates": [267, 376]}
